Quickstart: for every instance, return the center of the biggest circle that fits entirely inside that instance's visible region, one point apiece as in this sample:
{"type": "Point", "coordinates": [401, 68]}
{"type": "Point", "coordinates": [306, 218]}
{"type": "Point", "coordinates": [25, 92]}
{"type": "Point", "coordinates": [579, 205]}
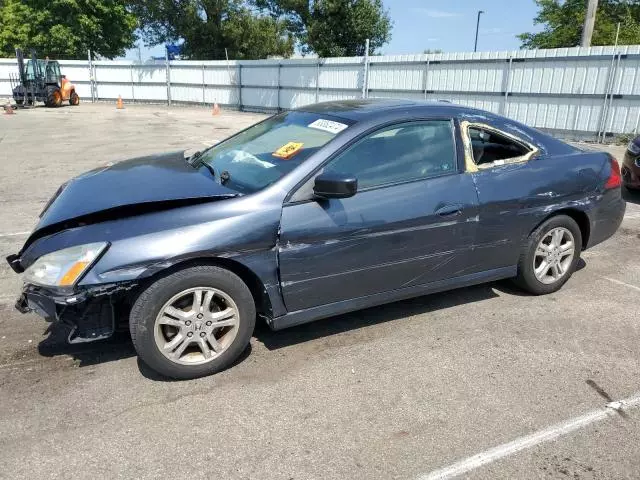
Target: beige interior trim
{"type": "Point", "coordinates": [470, 165]}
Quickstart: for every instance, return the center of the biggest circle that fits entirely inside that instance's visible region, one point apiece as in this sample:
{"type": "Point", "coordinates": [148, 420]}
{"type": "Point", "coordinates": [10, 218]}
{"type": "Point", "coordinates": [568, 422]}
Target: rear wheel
{"type": "Point", "coordinates": [192, 323]}
{"type": "Point", "coordinates": [74, 98]}
{"type": "Point", "coordinates": [54, 97]}
{"type": "Point", "coordinates": [550, 256]}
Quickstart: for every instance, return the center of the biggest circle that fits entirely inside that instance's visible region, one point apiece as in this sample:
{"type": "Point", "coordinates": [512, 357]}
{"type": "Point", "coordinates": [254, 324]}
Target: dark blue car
{"type": "Point", "coordinates": [311, 213]}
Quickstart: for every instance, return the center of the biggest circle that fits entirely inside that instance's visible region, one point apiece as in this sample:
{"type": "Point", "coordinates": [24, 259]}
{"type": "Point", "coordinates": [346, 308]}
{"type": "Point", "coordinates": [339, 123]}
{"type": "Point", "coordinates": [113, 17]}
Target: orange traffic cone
{"type": "Point", "coordinates": [119, 104]}
{"type": "Point", "coordinates": [216, 109]}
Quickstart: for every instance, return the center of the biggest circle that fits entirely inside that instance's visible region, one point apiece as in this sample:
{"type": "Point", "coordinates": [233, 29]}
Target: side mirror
{"type": "Point", "coordinates": [331, 185]}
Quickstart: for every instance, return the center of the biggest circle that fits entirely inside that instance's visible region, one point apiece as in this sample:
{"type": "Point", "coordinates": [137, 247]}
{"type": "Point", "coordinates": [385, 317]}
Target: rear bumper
{"type": "Point", "coordinates": [606, 217]}
{"type": "Point", "coordinates": [90, 314]}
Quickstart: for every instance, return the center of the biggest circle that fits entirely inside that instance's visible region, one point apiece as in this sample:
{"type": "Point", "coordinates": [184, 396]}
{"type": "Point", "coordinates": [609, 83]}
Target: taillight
{"type": "Point", "coordinates": [615, 179]}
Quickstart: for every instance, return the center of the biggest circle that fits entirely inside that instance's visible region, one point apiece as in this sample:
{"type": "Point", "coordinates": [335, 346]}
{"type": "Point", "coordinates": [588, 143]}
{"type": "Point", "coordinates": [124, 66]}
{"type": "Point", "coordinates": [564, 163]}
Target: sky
{"type": "Point", "coordinates": [449, 26]}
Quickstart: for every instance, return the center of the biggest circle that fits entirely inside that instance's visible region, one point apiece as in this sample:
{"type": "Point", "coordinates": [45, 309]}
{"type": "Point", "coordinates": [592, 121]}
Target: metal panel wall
{"type": "Point", "coordinates": [7, 66]}
{"type": "Point", "coordinates": [573, 91]}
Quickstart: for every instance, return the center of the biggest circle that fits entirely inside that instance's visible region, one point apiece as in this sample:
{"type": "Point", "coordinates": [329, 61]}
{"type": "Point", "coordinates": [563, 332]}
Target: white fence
{"type": "Point", "coordinates": [576, 92]}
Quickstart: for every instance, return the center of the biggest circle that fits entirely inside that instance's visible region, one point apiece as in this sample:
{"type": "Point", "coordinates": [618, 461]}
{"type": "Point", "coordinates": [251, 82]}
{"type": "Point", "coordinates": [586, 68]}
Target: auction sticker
{"type": "Point", "coordinates": [288, 150]}
{"type": "Point", "coordinates": [328, 125]}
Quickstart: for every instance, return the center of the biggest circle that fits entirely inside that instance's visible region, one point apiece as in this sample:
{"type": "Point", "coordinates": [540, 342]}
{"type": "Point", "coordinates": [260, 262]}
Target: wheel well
{"type": "Point", "coordinates": [251, 280]}
{"type": "Point", "coordinates": [580, 218]}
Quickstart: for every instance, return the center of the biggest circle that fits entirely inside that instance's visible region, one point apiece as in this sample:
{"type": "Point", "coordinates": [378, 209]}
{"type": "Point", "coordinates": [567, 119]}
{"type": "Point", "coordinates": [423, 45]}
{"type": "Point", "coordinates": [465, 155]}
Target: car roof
{"type": "Point", "coordinates": [358, 110]}
{"type": "Point", "coordinates": [376, 108]}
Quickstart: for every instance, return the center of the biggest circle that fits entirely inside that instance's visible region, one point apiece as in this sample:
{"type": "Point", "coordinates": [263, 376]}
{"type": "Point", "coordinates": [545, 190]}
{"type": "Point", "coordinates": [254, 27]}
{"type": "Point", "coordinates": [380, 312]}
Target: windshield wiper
{"type": "Point", "coordinates": [192, 161]}
{"type": "Point", "coordinates": [194, 157]}
{"type": "Point", "coordinates": [208, 167]}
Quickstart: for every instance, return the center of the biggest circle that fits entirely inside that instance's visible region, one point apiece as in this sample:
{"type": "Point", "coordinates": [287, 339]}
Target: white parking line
{"type": "Point", "coordinates": [528, 441]}
{"type": "Point", "coordinates": [619, 282]}
{"type": "Point", "coordinates": [16, 234]}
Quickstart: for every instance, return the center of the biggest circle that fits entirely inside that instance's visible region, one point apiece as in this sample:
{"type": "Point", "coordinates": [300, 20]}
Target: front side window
{"type": "Point", "coordinates": [265, 152]}
{"type": "Point", "coordinates": [399, 153]}
{"type": "Point", "coordinates": [52, 71]}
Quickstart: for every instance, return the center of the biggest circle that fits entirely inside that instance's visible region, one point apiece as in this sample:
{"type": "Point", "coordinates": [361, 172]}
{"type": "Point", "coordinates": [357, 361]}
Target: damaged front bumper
{"type": "Point", "coordinates": [91, 313]}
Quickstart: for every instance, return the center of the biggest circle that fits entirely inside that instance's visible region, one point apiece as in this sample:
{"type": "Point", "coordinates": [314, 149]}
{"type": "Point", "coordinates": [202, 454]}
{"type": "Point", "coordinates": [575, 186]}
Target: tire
{"type": "Point", "coordinates": [19, 102]}
{"type": "Point", "coordinates": [153, 339]}
{"type": "Point", "coordinates": [74, 99]}
{"type": "Point", "coordinates": [531, 257]}
{"type": "Point", "coordinates": [54, 97]}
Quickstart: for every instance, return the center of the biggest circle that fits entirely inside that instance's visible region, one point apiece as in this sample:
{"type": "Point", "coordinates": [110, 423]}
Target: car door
{"type": "Point", "coordinates": [411, 222]}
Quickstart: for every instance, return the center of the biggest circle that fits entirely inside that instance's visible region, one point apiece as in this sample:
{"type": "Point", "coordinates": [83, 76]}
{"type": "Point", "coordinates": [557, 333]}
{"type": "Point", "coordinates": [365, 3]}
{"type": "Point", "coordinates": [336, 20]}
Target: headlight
{"type": "Point", "coordinates": [64, 267]}
{"type": "Point", "coordinates": [633, 148]}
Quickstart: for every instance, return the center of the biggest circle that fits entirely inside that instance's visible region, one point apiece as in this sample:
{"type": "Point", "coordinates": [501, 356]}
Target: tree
{"type": "Point", "coordinates": [207, 27]}
{"type": "Point", "coordinates": [66, 28]}
{"type": "Point", "coordinates": [333, 28]}
{"type": "Point", "coordinates": [563, 23]}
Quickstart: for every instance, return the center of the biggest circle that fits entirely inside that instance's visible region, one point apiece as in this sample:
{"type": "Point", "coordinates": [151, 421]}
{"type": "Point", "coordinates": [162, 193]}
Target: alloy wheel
{"type": "Point", "coordinates": [196, 326]}
{"type": "Point", "coordinates": [554, 255]}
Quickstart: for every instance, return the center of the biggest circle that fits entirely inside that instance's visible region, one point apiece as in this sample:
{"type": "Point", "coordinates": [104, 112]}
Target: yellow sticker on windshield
{"type": "Point", "coordinates": [288, 150]}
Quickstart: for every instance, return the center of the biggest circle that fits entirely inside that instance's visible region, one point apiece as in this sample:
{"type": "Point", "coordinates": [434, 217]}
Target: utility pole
{"type": "Point", "coordinates": [365, 72]}
{"type": "Point", "coordinates": [589, 22]}
{"type": "Point", "coordinates": [475, 45]}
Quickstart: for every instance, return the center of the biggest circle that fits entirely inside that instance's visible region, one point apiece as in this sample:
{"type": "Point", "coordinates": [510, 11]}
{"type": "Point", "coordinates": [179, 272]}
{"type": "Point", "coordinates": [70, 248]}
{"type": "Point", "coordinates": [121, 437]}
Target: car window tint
{"type": "Point", "coordinates": [399, 153]}
{"type": "Point", "coordinates": [489, 146]}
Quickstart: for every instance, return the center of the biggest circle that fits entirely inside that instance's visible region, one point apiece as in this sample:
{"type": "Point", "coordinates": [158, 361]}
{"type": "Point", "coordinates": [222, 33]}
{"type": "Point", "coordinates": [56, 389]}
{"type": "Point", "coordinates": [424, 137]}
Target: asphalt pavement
{"type": "Point", "coordinates": [464, 378]}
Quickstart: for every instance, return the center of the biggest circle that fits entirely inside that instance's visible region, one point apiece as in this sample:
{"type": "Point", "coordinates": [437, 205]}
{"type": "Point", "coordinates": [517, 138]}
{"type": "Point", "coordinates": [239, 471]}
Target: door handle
{"type": "Point", "coordinates": [449, 210]}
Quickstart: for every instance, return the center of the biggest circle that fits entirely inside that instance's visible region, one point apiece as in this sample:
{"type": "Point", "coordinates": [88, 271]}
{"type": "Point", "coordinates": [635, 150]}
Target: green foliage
{"type": "Point", "coordinates": [207, 27]}
{"type": "Point", "coordinates": [563, 23]}
{"type": "Point", "coordinates": [624, 138]}
{"type": "Point", "coordinates": [66, 28]}
{"type": "Point", "coordinates": [333, 28]}
{"type": "Point", "coordinates": [432, 50]}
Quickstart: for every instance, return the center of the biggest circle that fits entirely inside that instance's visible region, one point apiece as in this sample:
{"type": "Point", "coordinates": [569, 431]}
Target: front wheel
{"type": "Point", "coordinates": [193, 323]}
{"type": "Point", "coordinates": [54, 97]}
{"type": "Point", "coordinates": [74, 98]}
{"type": "Point", "coordinates": [550, 256]}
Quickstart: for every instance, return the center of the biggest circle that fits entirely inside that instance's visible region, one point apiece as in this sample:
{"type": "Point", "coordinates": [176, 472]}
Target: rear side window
{"type": "Point", "coordinates": [486, 147]}
{"type": "Point", "coordinates": [490, 146]}
{"type": "Point", "coordinates": [399, 153]}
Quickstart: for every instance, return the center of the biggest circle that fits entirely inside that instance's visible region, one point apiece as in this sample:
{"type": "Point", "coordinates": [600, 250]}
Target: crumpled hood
{"type": "Point", "coordinates": [143, 181]}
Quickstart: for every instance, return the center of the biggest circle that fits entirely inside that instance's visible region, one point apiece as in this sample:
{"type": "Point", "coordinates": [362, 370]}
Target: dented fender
{"type": "Point", "coordinates": [141, 246]}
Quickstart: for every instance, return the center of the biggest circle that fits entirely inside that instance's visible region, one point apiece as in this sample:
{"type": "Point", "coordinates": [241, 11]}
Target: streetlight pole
{"type": "Point", "coordinates": [475, 46]}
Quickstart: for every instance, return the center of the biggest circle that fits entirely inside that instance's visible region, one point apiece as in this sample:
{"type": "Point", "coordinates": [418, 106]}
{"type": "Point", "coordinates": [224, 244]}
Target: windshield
{"type": "Point", "coordinates": [49, 68]}
{"type": "Point", "coordinates": [260, 155]}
